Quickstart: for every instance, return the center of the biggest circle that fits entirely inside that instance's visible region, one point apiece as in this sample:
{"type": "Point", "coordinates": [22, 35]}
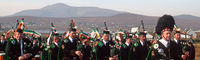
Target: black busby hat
{"type": "Point", "coordinates": [142, 33]}
{"type": "Point", "coordinates": [129, 37]}
{"type": "Point", "coordinates": [166, 22]}
{"type": "Point", "coordinates": [177, 32]}
{"type": "Point", "coordinates": [73, 29]}
{"type": "Point", "coordinates": [106, 32]}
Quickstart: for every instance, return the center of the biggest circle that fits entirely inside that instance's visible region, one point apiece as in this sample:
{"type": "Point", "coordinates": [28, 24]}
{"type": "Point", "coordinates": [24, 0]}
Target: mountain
{"type": "Point", "coordinates": [61, 10]}
{"type": "Point", "coordinates": [90, 17]}
{"type": "Point", "coordinates": [124, 21]}
{"type": "Point", "coordinates": [186, 16]}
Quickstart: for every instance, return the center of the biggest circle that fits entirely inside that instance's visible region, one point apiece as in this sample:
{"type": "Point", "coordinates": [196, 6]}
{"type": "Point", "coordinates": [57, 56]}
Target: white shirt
{"type": "Point", "coordinates": [176, 40]}
{"type": "Point", "coordinates": [164, 42]}
{"type": "Point", "coordinates": [18, 41]}
{"type": "Point", "coordinates": [104, 42]}
{"type": "Point", "coordinates": [56, 44]}
{"type": "Point", "coordinates": [70, 39]}
{"type": "Point", "coordinates": [142, 43]}
{"type": "Point", "coordinates": [127, 44]}
{"type": "Point", "coordinates": [2, 41]}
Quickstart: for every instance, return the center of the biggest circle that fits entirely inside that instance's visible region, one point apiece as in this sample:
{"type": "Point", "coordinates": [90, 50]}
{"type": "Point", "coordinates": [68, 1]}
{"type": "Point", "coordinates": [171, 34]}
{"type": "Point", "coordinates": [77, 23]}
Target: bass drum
{"type": "Point", "coordinates": [37, 57]}
{"type": "Point", "coordinates": [2, 56]}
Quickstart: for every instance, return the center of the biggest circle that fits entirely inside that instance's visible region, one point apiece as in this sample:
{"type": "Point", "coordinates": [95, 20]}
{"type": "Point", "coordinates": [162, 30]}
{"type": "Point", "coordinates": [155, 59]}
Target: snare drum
{"type": "Point", "coordinates": [2, 56]}
{"type": "Point", "coordinates": [37, 57]}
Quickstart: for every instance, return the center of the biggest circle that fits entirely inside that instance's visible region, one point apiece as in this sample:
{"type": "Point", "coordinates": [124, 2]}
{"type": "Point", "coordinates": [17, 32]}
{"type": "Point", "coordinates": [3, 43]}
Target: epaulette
{"type": "Point", "coordinates": [13, 41]}
{"type": "Point", "coordinates": [136, 44]}
{"type": "Point", "coordinates": [94, 50]}
{"type": "Point", "coordinates": [100, 44]}
{"type": "Point", "coordinates": [45, 49]}
{"type": "Point", "coordinates": [52, 46]}
{"type": "Point", "coordinates": [45, 45]}
{"type": "Point", "coordinates": [65, 40]}
{"type": "Point", "coordinates": [124, 46]}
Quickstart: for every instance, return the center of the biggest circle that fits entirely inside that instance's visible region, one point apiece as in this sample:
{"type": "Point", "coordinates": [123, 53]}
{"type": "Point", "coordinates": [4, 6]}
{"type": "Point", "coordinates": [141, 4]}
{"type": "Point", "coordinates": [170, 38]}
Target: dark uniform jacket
{"type": "Point", "coordinates": [86, 51]}
{"type": "Point", "coordinates": [168, 52]}
{"type": "Point", "coordinates": [126, 52]}
{"type": "Point", "coordinates": [56, 52]}
{"type": "Point", "coordinates": [2, 46]}
{"type": "Point", "coordinates": [103, 51]}
{"type": "Point", "coordinates": [141, 51]}
{"type": "Point", "coordinates": [70, 48]}
{"type": "Point", "coordinates": [14, 49]}
{"type": "Point", "coordinates": [177, 50]}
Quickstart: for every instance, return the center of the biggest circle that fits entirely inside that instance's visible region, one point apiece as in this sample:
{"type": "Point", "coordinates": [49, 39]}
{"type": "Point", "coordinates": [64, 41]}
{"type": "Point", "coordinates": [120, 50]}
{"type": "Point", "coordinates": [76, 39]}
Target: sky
{"type": "Point", "coordinates": [143, 7]}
